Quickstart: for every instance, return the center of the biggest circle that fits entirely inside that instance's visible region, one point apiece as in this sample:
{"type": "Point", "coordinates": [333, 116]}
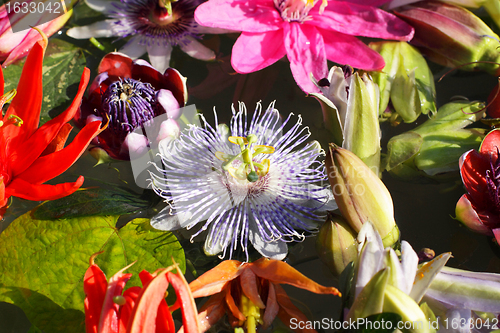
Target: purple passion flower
{"type": "Point", "coordinates": [254, 181]}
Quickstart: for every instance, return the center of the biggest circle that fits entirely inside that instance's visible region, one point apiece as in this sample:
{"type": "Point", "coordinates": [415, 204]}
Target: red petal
{"type": "Point", "coordinates": [288, 311]}
{"type": "Point", "coordinates": [210, 313]}
{"type": "Point", "coordinates": [188, 306]}
{"type": "Point", "coordinates": [130, 295]}
{"type": "Point", "coordinates": [52, 165]}
{"type": "Point", "coordinates": [109, 313]}
{"type": "Point", "coordinates": [59, 141]}
{"type": "Point", "coordinates": [144, 314]}
{"type": "Point", "coordinates": [116, 64]}
{"type": "Point", "coordinates": [27, 152]}
{"type": "Point", "coordinates": [248, 282]}
{"type": "Point", "coordinates": [491, 144]}
{"type": "Point", "coordinates": [272, 307]}
{"type": "Point", "coordinates": [231, 304]}
{"type": "Point", "coordinates": [214, 280]}
{"type": "Point", "coordinates": [1, 82]}
{"type": "Point", "coordinates": [473, 166]}
{"type": "Point", "coordinates": [25, 190]}
{"type": "Point", "coordinates": [496, 232]}
{"type": "Point", "coordinates": [94, 285]}
{"type": "Point", "coordinates": [280, 272]}
{"type": "Point", "coordinates": [28, 101]}
{"type": "Point", "coordinates": [466, 214]}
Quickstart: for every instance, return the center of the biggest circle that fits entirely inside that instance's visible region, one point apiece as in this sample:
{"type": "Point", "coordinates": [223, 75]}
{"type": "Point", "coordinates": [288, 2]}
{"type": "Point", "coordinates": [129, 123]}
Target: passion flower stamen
{"type": "Point", "coordinates": [129, 104]}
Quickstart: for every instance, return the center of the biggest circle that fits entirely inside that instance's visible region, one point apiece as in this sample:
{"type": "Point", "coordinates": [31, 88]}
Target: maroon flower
{"type": "Point", "coordinates": [479, 209]}
{"type": "Point", "coordinates": [129, 94]}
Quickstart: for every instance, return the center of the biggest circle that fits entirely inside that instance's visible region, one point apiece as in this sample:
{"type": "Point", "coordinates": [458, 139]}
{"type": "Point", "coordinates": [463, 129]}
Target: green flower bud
{"type": "Point", "coordinates": [406, 80]}
{"type": "Point", "coordinates": [432, 149]}
{"type": "Point", "coordinates": [360, 195]}
{"type": "Point", "coordinates": [350, 104]}
{"type": "Point", "coordinates": [452, 36]}
{"type": "Point", "coordinates": [336, 244]}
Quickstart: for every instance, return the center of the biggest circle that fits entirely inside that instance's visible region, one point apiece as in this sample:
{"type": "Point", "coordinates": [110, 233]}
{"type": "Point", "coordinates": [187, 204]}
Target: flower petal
{"type": "Point", "coordinates": [214, 280]}
{"type": "Point", "coordinates": [196, 49]}
{"type": "Point", "coordinates": [96, 30]}
{"type": "Point", "coordinates": [306, 51]}
{"type": "Point", "coordinates": [231, 304]}
{"type": "Point", "coordinates": [134, 48]}
{"type": "Point", "coordinates": [275, 250]}
{"type": "Point", "coordinates": [188, 306]}
{"type": "Point", "coordinates": [491, 144]}
{"type": "Point", "coordinates": [52, 165]}
{"type": "Point", "coordinates": [27, 152]}
{"type": "Point", "coordinates": [361, 20]}
{"type": "Point", "coordinates": [240, 15]}
{"type": "Point", "coordinates": [24, 190]}
{"type": "Point", "coordinates": [280, 272]}
{"type": "Point", "coordinates": [94, 285]}
{"type": "Point", "coordinates": [254, 51]}
{"type": "Point", "coordinates": [59, 141]}
{"type": "Point", "coordinates": [272, 307]}
{"type": "Point", "coordinates": [466, 214]}
{"type": "Point", "coordinates": [116, 64]}
{"type": "Point", "coordinates": [348, 50]}
{"type": "Point", "coordinates": [159, 56]}
{"type": "Point", "coordinates": [473, 167]}
{"type": "Point", "coordinates": [287, 311]}
{"type": "Point", "coordinates": [105, 6]}
{"type": "Point", "coordinates": [210, 313]}
{"type": "Point", "coordinates": [28, 101]}
{"type": "Point", "coordinates": [248, 283]}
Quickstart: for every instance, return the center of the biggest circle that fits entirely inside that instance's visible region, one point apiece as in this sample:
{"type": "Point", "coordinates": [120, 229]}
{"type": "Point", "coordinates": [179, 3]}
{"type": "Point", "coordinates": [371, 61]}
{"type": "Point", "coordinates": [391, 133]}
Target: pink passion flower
{"type": "Point", "coordinates": [129, 94]}
{"type": "Point", "coordinates": [479, 209]}
{"type": "Point", "coordinates": [308, 31]}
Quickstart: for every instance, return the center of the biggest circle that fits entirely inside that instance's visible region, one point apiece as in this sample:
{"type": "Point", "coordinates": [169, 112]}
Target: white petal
{"type": "Point", "coordinates": [274, 250]}
{"type": "Point", "coordinates": [104, 6]}
{"type": "Point", "coordinates": [133, 48]}
{"type": "Point", "coordinates": [97, 29]}
{"type": "Point", "coordinates": [425, 275]}
{"type": "Point", "coordinates": [370, 262]}
{"type": "Point", "coordinates": [165, 221]}
{"type": "Point", "coordinates": [197, 50]}
{"type": "Point", "coordinates": [458, 321]}
{"type": "Point", "coordinates": [409, 266]}
{"type": "Point", "coordinates": [169, 103]}
{"type": "Point", "coordinates": [136, 144]}
{"type": "Point", "coordinates": [159, 56]}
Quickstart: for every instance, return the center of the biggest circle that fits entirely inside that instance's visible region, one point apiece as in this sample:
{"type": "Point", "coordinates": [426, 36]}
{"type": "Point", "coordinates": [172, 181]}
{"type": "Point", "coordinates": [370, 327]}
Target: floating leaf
{"type": "Point", "coordinates": [96, 201]}
{"type": "Point", "coordinates": [62, 69]}
{"type": "Point", "coordinates": [42, 263]}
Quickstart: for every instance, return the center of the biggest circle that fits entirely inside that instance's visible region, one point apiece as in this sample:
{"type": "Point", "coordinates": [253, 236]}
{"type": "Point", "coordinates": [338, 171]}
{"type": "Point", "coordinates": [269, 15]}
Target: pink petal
{"type": "Point", "coordinates": [306, 51]}
{"type": "Point", "coordinates": [375, 3]}
{"type": "Point", "coordinates": [345, 49]}
{"type": "Point", "coordinates": [254, 51]}
{"type": "Point", "coordinates": [240, 15]}
{"type": "Point", "coordinates": [359, 20]}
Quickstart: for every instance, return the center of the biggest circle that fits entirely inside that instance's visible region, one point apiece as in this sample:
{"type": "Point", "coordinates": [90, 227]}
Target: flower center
{"type": "Point", "coordinates": [156, 21]}
{"type": "Point", "coordinates": [128, 104]}
{"type": "Point", "coordinates": [243, 166]}
{"type": "Point", "coordinates": [493, 182]}
{"type": "Point", "coordinates": [297, 10]}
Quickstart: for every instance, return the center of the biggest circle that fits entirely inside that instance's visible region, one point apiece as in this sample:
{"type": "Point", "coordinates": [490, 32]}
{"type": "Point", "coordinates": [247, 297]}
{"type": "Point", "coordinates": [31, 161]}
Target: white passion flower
{"type": "Point", "coordinates": [155, 26]}
{"type": "Point", "coordinates": [257, 184]}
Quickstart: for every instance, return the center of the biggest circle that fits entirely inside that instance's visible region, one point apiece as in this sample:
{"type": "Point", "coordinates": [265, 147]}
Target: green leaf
{"type": "Point", "coordinates": [62, 69]}
{"type": "Point", "coordinates": [401, 148]}
{"type": "Point", "coordinates": [96, 201]}
{"type": "Point", "coordinates": [42, 263]}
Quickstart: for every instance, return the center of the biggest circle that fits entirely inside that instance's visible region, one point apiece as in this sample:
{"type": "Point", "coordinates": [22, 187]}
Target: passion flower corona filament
{"type": "Point", "coordinates": [256, 183]}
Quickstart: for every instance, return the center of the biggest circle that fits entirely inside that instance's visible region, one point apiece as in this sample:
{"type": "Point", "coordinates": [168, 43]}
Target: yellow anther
{"type": "Point", "coordinates": [238, 140]}
{"type": "Point", "coordinates": [222, 156]}
{"type": "Point", "coordinates": [261, 149]}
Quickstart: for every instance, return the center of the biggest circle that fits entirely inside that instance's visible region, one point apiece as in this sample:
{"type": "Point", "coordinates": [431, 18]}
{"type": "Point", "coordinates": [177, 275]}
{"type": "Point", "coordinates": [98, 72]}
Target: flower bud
{"type": "Point", "coordinates": [406, 80]}
{"type": "Point", "coordinates": [350, 104]}
{"type": "Point", "coordinates": [336, 244]}
{"type": "Point", "coordinates": [432, 149]}
{"type": "Point", "coordinates": [360, 195]}
{"type": "Point", "coordinates": [451, 35]}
